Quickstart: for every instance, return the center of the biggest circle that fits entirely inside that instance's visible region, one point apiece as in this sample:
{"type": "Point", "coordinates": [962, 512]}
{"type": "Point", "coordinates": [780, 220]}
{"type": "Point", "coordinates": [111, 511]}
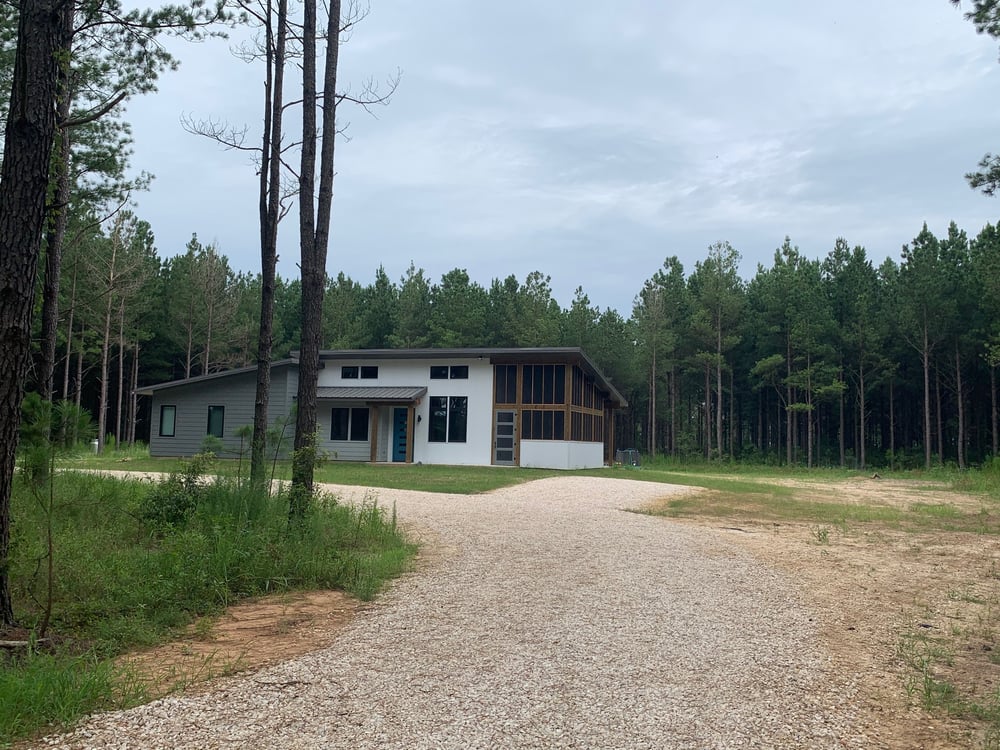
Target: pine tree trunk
{"type": "Point", "coordinates": [892, 426]}
{"type": "Point", "coordinates": [269, 213]}
{"type": "Point", "coordinates": [940, 422]}
{"type": "Point", "coordinates": [133, 411]}
{"type": "Point", "coordinates": [842, 426]}
{"type": "Point", "coordinates": [42, 40]}
{"type": "Point", "coordinates": [78, 386]}
{"type": "Point", "coordinates": [861, 416]}
{"type": "Point", "coordinates": [718, 388]}
{"type": "Point", "coordinates": [120, 395]}
{"type": "Point", "coordinates": [314, 226]}
{"type": "Point", "coordinates": [960, 442]}
{"type": "Point", "coordinates": [927, 402]}
{"type": "Point", "coordinates": [993, 408]}
{"type": "Point", "coordinates": [708, 412]}
{"type": "Point", "coordinates": [789, 433]}
{"type": "Point", "coordinates": [69, 338]}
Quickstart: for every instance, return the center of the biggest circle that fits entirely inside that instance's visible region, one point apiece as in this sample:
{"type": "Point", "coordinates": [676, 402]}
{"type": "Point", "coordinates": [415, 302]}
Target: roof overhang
{"type": "Point", "coordinates": [406, 394]}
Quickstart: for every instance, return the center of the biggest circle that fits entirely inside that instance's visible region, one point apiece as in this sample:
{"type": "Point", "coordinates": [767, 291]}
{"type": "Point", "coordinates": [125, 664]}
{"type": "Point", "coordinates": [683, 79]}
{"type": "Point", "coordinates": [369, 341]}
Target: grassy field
{"type": "Point", "coordinates": [134, 563]}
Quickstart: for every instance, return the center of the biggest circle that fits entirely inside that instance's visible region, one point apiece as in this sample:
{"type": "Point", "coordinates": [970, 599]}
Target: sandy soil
{"type": "Point", "coordinates": [872, 588]}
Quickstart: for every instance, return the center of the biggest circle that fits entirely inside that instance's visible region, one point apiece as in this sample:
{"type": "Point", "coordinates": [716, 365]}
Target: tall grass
{"type": "Point", "coordinates": [127, 576]}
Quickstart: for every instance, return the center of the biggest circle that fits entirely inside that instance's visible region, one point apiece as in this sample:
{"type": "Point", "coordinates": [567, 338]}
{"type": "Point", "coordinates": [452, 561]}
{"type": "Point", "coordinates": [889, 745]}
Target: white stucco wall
{"type": "Point", "coordinates": [556, 454]}
{"type": "Point", "coordinates": [417, 372]}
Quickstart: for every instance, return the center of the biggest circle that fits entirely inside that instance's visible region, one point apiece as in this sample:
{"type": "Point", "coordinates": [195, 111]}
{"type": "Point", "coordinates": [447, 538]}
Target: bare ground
{"type": "Point", "coordinates": [882, 596]}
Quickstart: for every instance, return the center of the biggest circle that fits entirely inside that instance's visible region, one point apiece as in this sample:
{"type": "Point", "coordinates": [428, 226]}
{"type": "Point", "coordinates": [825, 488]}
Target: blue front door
{"type": "Point", "coordinates": [399, 424]}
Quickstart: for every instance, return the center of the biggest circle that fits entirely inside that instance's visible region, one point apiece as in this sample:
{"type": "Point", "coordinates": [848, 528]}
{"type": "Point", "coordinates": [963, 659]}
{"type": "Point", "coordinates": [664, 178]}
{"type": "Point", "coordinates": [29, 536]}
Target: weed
{"type": "Point", "coordinates": [821, 534]}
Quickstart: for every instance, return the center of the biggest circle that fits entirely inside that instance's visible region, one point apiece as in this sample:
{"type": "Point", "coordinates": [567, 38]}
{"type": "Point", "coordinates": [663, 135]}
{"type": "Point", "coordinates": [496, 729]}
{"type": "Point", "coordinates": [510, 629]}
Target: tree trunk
{"type": "Point", "coordinates": [269, 212]}
{"type": "Point", "coordinates": [69, 337]}
{"type": "Point", "coordinates": [78, 386]}
{"type": "Point", "coordinates": [960, 442]}
{"type": "Point", "coordinates": [892, 427]}
{"type": "Point", "coordinates": [708, 412]}
{"type": "Point", "coordinates": [133, 401]}
{"type": "Point", "coordinates": [119, 411]}
{"type": "Point", "coordinates": [673, 411]}
{"type": "Point", "coordinates": [42, 38]}
{"type": "Point", "coordinates": [55, 235]}
{"type": "Point", "coordinates": [718, 387]}
{"type": "Point", "coordinates": [993, 408]}
{"type": "Point", "coordinates": [314, 228]}
{"type": "Point", "coordinates": [940, 422]}
{"type": "Point", "coordinates": [789, 433]}
{"type": "Point", "coordinates": [102, 403]}
{"type": "Point", "coordinates": [651, 442]}
{"type": "Point", "coordinates": [861, 416]}
{"type": "Point", "coordinates": [927, 401]}
{"type": "Point", "coordinates": [809, 412]}
{"type": "Point", "coordinates": [842, 426]}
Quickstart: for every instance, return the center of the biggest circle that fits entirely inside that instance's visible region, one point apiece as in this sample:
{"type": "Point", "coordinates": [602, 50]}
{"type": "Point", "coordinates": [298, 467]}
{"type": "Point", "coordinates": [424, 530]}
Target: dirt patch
{"type": "Point", "coordinates": [889, 600]}
{"type": "Point", "coordinates": [248, 635]}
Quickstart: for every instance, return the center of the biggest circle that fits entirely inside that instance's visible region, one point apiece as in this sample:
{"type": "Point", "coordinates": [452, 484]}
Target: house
{"type": "Point", "coordinates": [533, 407]}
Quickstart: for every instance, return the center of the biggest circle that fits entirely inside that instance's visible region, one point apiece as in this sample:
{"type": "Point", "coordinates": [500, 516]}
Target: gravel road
{"type": "Point", "coordinates": [543, 617]}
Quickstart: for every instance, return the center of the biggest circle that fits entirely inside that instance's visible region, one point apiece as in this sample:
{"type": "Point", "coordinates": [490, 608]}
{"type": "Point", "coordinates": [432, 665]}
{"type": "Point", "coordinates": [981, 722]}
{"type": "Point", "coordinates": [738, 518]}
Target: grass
{"type": "Point", "coordinates": [130, 574]}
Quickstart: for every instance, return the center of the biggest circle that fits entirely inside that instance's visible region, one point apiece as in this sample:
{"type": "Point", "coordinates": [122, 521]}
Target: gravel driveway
{"type": "Point", "coordinates": [543, 617]}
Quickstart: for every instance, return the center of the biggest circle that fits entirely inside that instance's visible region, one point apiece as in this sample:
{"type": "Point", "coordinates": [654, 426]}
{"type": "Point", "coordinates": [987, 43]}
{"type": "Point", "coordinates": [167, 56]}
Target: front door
{"type": "Point", "coordinates": [503, 441]}
{"type": "Point", "coordinates": [399, 425]}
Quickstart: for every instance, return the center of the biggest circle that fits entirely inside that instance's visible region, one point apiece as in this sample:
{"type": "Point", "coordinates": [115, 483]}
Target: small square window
{"type": "Point", "coordinates": [460, 372]}
{"type": "Point", "coordinates": [349, 373]}
{"type": "Point", "coordinates": [369, 372]}
{"type": "Point", "coordinates": [439, 372]}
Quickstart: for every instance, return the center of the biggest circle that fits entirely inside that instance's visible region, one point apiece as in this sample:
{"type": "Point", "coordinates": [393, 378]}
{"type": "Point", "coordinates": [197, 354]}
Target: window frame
{"type": "Point", "coordinates": [349, 372]}
{"type": "Point", "coordinates": [439, 372]}
{"type": "Point", "coordinates": [448, 419]}
{"type": "Point", "coordinates": [173, 420]}
{"type": "Point", "coordinates": [354, 421]}
{"type": "Point", "coordinates": [221, 410]}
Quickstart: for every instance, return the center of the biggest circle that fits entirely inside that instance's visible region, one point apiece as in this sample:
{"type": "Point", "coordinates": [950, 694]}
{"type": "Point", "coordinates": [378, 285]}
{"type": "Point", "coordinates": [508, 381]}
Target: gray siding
{"type": "Point", "coordinates": [233, 392]}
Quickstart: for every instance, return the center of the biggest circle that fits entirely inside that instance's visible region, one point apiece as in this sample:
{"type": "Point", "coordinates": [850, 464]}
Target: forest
{"type": "Point", "coordinates": [814, 361]}
{"type": "Point", "coordinates": [818, 359]}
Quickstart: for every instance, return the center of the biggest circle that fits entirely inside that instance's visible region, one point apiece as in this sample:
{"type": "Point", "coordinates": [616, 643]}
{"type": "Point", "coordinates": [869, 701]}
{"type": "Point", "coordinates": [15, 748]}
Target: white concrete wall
{"type": "Point", "coordinates": [477, 450]}
{"type": "Point", "coordinates": [558, 454]}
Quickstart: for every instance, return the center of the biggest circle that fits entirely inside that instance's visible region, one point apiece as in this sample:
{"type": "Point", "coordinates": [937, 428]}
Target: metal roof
{"type": "Point", "coordinates": [147, 390]}
{"type": "Point", "coordinates": [406, 393]}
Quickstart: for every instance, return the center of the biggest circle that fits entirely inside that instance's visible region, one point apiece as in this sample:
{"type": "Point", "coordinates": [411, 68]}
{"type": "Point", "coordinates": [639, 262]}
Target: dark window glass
{"type": "Point", "coordinates": [459, 372]}
{"type": "Point", "coordinates": [168, 420]}
{"type": "Point", "coordinates": [546, 425]}
{"type": "Point", "coordinates": [339, 421]}
{"type": "Point", "coordinates": [216, 420]}
{"type": "Point", "coordinates": [549, 386]}
{"type": "Point", "coordinates": [537, 385]}
{"type": "Point", "coordinates": [528, 379]}
{"type": "Point", "coordinates": [559, 426]}
{"type": "Point", "coordinates": [439, 372]}
{"type": "Point", "coordinates": [438, 430]}
{"type": "Point", "coordinates": [458, 418]}
{"type": "Point", "coordinates": [369, 372]}
{"type": "Point", "coordinates": [359, 424]}
{"type": "Point", "coordinates": [349, 373]}
{"type": "Point", "coordinates": [560, 397]}
{"type": "Point", "coordinates": [536, 425]}
{"type": "Point", "coordinates": [511, 394]}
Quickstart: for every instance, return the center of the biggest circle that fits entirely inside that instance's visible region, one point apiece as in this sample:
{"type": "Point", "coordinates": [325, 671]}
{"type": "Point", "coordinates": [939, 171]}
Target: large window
{"type": "Point", "coordinates": [216, 420]}
{"type": "Point", "coordinates": [543, 424]}
{"type": "Point", "coordinates": [449, 419]}
{"type": "Point", "coordinates": [168, 420]}
{"type": "Point", "coordinates": [544, 384]}
{"type": "Point", "coordinates": [505, 391]}
{"type": "Point", "coordinates": [349, 423]}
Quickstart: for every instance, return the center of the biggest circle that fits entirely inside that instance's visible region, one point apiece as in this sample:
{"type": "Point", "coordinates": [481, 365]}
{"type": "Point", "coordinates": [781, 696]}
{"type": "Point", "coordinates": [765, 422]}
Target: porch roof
{"type": "Point", "coordinates": [383, 394]}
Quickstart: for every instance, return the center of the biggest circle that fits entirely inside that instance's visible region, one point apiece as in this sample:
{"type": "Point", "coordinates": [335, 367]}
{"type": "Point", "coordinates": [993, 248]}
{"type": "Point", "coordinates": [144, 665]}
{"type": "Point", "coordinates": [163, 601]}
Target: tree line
{"type": "Point", "coordinates": [814, 361]}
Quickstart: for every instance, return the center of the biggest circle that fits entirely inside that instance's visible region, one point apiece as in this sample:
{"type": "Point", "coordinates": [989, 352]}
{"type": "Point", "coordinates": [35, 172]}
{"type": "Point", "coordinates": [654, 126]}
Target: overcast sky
{"type": "Point", "coordinates": [591, 140]}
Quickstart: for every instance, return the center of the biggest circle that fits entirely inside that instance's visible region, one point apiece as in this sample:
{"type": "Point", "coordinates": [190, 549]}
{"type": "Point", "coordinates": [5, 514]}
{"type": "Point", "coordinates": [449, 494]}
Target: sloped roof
{"type": "Point", "coordinates": [406, 393]}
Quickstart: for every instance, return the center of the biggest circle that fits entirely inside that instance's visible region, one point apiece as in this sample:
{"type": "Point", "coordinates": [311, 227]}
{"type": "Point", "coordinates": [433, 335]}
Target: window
{"type": "Point", "coordinates": [544, 384]}
{"type": "Point", "coordinates": [349, 424]}
{"type": "Point", "coordinates": [444, 372]}
{"type": "Point", "coordinates": [369, 372]}
{"type": "Point", "coordinates": [449, 419]}
{"type": "Point", "coordinates": [349, 372]}
{"type": "Point", "coordinates": [543, 424]}
{"type": "Point", "coordinates": [168, 420]}
{"type": "Point", "coordinates": [505, 390]}
{"type": "Point", "coordinates": [216, 420]}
